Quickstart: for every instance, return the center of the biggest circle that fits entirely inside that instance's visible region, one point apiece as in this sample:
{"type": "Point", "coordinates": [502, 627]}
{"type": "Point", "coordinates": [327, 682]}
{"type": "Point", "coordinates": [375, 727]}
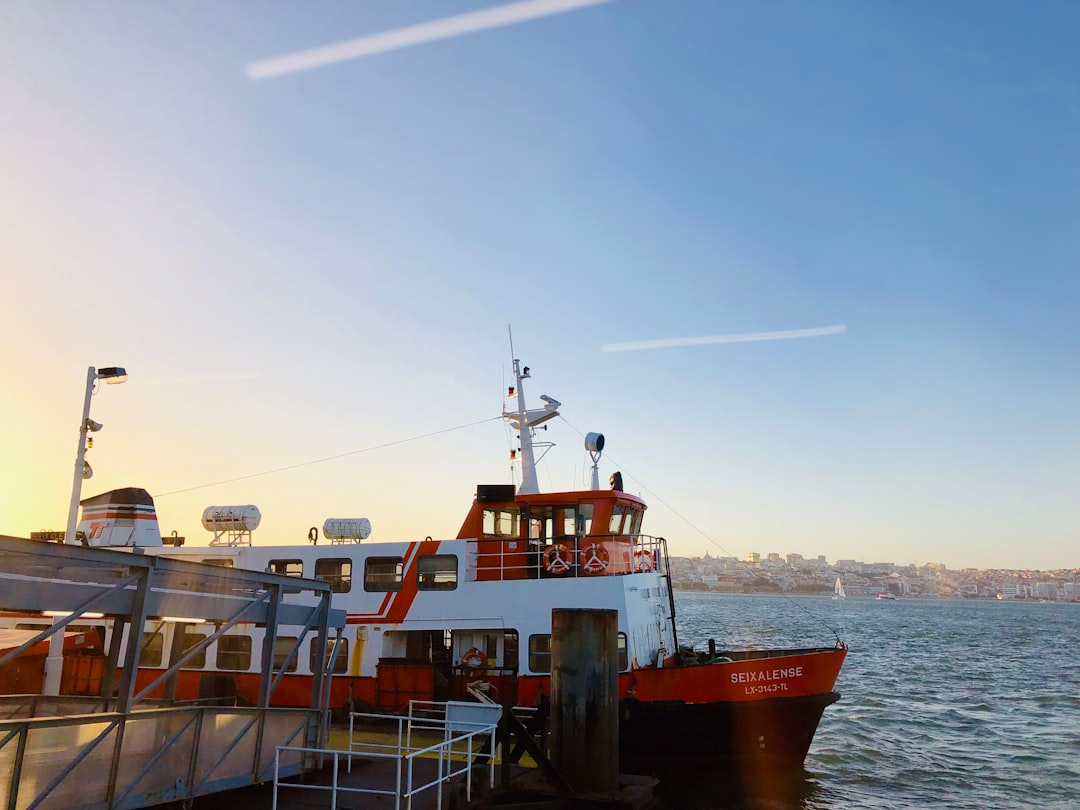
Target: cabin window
{"type": "Point", "coordinates": [540, 653]}
{"type": "Point", "coordinates": [288, 568]}
{"type": "Point", "coordinates": [341, 663]}
{"type": "Point", "coordinates": [541, 523]}
{"type": "Point", "coordinates": [616, 518]}
{"type": "Point", "coordinates": [190, 640]}
{"type": "Point", "coordinates": [624, 661]}
{"type": "Point", "coordinates": [633, 521]}
{"type": "Point", "coordinates": [383, 573]}
{"type": "Point", "coordinates": [220, 562]}
{"type": "Point", "coordinates": [283, 646]}
{"type": "Point", "coordinates": [337, 571]}
{"type": "Point", "coordinates": [437, 572]}
{"type": "Point", "coordinates": [584, 519]}
{"type": "Point", "coordinates": [234, 652]}
{"type": "Point", "coordinates": [152, 646]}
{"type": "Point", "coordinates": [501, 522]}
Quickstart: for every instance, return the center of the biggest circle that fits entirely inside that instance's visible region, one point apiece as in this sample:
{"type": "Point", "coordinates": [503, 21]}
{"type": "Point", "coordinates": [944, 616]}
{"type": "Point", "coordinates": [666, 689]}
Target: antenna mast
{"type": "Point", "coordinates": [525, 422]}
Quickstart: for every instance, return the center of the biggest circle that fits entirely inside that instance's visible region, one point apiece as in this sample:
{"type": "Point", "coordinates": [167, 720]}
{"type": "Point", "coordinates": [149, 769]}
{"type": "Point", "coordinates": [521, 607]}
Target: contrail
{"type": "Point", "coordinates": [748, 337]}
{"type": "Point", "coordinates": [444, 28]}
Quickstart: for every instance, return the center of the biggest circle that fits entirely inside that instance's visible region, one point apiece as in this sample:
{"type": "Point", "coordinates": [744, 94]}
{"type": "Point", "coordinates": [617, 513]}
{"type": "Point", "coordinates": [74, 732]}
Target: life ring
{"type": "Point", "coordinates": [595, 559]}
{"type": "Point", "coordinates": [643, 561]}
{"type": "Point", "coordinates": [474, 659]}
{"type": "Point", "coordinates": [557, 559]}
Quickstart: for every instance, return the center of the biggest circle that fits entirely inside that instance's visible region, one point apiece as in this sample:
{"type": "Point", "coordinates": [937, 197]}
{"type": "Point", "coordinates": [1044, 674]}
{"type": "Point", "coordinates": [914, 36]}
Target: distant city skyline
{"type": "Point", "coordinates": [311, 265]}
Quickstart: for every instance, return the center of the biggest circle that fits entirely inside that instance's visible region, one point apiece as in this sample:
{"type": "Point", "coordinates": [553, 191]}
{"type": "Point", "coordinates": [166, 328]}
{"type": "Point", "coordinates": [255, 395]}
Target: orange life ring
{"type": "Point", "coordinates": [643, 561]}
{"type": "Point", "coordinates": [557, 559]}
{"type": "Point", "coordinates": [474, 659]}
{"type": "Point", "coordinates": [595, 559]}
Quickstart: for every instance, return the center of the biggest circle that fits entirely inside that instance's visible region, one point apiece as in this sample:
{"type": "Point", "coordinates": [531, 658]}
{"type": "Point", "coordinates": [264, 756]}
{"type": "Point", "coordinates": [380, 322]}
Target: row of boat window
{"type": "Point", "coordinates": [234, 652]}
{"type": "Point", "coordinates": [545, 522]}
{"type": "Point", "coordinates": [434, 572]}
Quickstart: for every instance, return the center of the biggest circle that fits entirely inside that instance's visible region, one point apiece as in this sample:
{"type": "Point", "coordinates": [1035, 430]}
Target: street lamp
{"type": "Point", "coordinates": [112, 376]}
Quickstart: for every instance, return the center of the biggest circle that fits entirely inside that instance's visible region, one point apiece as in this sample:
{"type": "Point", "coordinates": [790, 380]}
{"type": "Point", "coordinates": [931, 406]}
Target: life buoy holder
{"type": "Point", "coordinates": [474, 659]}
{"type": "Point", "coordinates": [594, 559]}
{"type": "Point", "coordinates": [557, 559]}
{"type": "Point", "coordinates": [643, 561]}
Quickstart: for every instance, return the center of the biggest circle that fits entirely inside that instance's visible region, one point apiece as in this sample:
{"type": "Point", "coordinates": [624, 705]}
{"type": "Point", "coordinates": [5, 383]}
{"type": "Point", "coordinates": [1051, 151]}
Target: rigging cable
{"type": "Point", "coordinates": [328, 458]}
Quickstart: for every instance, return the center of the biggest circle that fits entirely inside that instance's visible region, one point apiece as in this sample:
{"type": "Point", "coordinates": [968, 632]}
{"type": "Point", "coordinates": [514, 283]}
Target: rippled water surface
{"type": "Point", "coordinates": [945, 703]}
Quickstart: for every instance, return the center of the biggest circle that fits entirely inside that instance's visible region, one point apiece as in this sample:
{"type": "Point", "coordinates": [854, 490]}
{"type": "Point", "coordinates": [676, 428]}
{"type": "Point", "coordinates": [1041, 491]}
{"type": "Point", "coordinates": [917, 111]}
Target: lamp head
{"type": "Point", "coordinates": [113, 375]}
{"type": "Point", "coordinates": [93, 426]}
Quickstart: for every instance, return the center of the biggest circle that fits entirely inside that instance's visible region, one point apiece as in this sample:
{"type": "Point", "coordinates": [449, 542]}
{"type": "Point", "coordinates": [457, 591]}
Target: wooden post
{"type": "Point", "coordinates": [585, 698]}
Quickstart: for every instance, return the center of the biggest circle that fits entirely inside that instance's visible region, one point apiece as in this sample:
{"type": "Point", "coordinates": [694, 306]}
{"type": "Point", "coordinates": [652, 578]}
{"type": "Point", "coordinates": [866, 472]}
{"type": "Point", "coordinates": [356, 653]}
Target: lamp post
{"type": "Point", "coordinates": [112, 376]}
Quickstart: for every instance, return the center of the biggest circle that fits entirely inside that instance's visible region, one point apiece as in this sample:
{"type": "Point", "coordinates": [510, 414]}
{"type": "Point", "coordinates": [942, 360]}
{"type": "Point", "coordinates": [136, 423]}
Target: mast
{"type": "Point", "coordinates": [526, 421]}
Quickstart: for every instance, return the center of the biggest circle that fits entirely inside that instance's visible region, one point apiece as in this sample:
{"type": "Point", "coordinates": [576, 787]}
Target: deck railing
{"type": "Point", "coordinates": [567, 557]}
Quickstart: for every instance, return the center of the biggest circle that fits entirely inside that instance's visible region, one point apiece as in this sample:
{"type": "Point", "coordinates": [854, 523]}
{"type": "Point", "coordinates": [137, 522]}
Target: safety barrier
{"type": "Point", "coordinates": [444, 732]}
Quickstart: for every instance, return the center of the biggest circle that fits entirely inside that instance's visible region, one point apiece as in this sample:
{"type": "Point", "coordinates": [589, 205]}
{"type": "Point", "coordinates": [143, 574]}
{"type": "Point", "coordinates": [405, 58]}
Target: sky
{"type": "Point", "coordinates": [311, 275]}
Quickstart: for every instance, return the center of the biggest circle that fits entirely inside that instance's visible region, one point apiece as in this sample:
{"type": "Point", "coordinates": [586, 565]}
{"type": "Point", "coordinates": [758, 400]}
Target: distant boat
{"type": "Point", "coordinates": [885, 595]}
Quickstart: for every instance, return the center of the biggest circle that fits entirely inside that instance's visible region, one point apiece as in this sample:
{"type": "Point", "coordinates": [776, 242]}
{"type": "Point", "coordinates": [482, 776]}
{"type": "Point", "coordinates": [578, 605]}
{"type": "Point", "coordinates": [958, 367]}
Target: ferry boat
{"type": "Point", "coordinates": [439, 619]}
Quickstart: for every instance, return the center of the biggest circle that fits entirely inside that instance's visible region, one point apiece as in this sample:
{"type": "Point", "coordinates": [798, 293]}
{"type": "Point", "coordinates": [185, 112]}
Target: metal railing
{"type": "Point", "coordinates": [446, 733]}
{"type": "Point", "coordinates": [131, 760]}
{"type": "Point", "coordinates": [570, 557]}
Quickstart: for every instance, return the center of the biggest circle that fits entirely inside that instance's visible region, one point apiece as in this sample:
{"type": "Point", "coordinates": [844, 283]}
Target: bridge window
{"type": "Point", "coordinates": [283, 646]}
{"type": "Point", "coordinates": [383, 573]}
{"type": "Point", "coordinates": [437, 572]}
{"type": "Point", "coordinates": [501, 522]}
{"type": "Point", "coordinates": [540, 653]}
{"type": "Point", "coordinates": [633, 521]}
{"type": "Point", "coordinates": [190, 640]}
{"type": "Point", "coordinates": [341, 663]}
{"type": "Point", "coordinates": [337, 571]}
{"type": "Point", "coordinates": [234, 652]}
{"type": "Point", "coordinates": [617, 513]}
{"type": "Point", "coordinates": [152, 645]}
{"type": "Point", "coordinates": [584, 519]}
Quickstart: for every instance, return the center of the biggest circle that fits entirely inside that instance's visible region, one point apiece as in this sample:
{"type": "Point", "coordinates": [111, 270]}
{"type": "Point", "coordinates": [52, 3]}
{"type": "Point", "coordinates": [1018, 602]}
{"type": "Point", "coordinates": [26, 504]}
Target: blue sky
{"type": "Point", "coordinates": [299, 267]}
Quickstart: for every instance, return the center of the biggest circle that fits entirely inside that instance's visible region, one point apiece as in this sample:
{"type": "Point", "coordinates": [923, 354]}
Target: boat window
{"type": "Point", "coordinates": [584, 519]}
{"type": "Point", "coordinates": [501, 522]}
{"type": "Point", "coordinates": [337, 571]}
{"type": "Point", "coordinates": [437, 572]}
{"type": "Point", "coordinates": [510, 649]}
{"type": "Point", "coordinates": [220, 562]}
{"type": "Point", "coordinates": [565, 522]}
{"type": "Point", "coordinates": [624, 661]}
{"type": "Point", "coordinates": [633, 523]}
{"type": "Point", "coordinates": [540, 653]}
{"type": "Point", "coordinates": [341, 663]}
{"type": "Point", "coordinates": [234, 652]}
{"type": "Point", "coordinates": [152, 646]}
{"type": "Point", "coordinates": [541, 523]}
{"type": "Point", "coordinates": [616, 518]}
{"type": "Point", "coordinates": [288, 568]}
{"type": "Point", "coordinates": [383, 573]}
{"type": "Point", "coordinates": [190, 640]}
{"type": "Point", "coordinates": [283, 645]}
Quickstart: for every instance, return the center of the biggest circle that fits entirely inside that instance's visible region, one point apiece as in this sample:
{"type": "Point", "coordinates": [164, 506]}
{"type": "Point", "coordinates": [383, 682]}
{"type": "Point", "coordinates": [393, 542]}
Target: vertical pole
{"type": "Point", "coordinates": [585, 698]}
{"type": "Point", "coordinates": [80, 458]}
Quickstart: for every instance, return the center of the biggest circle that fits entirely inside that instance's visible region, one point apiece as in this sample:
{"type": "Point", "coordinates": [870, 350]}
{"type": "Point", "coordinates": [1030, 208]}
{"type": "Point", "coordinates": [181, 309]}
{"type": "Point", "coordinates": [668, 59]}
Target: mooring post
{"type": "Point", "coordinates": [584, 735]}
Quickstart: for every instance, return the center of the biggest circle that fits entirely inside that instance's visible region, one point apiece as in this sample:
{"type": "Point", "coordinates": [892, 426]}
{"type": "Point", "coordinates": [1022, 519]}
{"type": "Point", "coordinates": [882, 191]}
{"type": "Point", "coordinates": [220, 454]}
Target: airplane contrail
{"type": "Point", "coordinates": [444, 28]}
{"type": "Point", "coordinates": [748, 337]}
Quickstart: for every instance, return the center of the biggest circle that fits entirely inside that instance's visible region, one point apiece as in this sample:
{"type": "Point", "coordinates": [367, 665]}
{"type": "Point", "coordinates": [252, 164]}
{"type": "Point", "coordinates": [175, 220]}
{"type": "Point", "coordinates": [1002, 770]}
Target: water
{"type": "Point", "coordinates": [945, 703]}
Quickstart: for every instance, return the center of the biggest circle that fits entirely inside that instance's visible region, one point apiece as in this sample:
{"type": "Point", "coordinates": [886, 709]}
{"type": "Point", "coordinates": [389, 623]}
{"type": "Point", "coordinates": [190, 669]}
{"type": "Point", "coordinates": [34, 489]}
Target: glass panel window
{"type": "Point", "coordinates": [540, 653]}
{"type": "Point", "coordinates": [383, 573]}
{"type": "Point", "coordinates": [501, 522]}
{"type": "Point", "coordinates": [152, 646]}
{"type": "Point", "coordinates": [283, 645]}
{"type": "Point", "coordinates": [616, 518]}
{"type": "Point", "coordinates": [234, 652]}
{"type": "Point", "coordinates": [437, 572]}
{"type": "Point", "coordinates": [337, 571]}
{"type": "Point", "coordinates": [288, 568]}
{"type": "Point", "coordinates": [633, 523]}
{"type": "Point", "coordinates": [624, 661]}
{"type": "Point", "coordinates": [341, 663]}
{"type": "Point", "coordinates": [584, 519]}
{"type": "Point", "coordinates": [190, 640]}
